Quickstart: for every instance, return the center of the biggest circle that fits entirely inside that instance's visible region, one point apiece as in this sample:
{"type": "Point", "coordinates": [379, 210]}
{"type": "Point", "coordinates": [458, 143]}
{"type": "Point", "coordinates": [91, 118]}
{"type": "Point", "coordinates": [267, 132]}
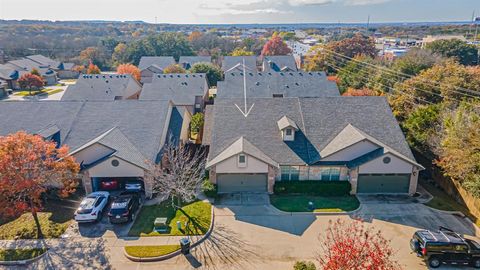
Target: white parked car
{"type": "Point", "coordinates": [92, 206]}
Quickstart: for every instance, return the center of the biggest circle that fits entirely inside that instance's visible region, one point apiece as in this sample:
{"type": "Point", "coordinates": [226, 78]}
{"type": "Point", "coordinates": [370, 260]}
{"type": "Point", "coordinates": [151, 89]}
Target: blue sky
{"type": "Point", "coordinates": [242, 11]}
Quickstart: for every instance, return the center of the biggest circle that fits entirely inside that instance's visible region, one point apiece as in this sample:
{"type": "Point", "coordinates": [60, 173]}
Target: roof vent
{"type": "Point", "coordinates": [281, 74]}
{"type": "Point", "coordinates": [257, 83]}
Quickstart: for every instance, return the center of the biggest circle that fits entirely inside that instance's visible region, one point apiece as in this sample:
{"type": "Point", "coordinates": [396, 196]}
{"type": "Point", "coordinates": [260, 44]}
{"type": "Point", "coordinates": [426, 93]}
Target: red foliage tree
{"type": "Point", "coordinates": [351, 92]}
{"type": "Point", "coordinates": [129, 69]}
{"type": "Point", "coordinates": [31, 82]}
{"type": "Point", "coordinates": [93, 69]}
{"type": "Point", "coordinates": [276, 46]}
{"type": "Point", "coordinates": [29, 166]}
{"type": "Point", "coordinates": [350, 245]}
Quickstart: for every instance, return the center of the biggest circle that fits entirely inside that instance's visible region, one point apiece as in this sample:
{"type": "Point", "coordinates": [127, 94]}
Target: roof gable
{"type": "Point", "coordinates": [241, 145]}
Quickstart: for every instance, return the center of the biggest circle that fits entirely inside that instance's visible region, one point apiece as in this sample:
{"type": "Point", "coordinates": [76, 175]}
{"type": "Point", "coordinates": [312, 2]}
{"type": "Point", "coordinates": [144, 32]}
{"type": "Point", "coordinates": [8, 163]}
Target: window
{"type": "Point", "coordinates": [387, 160]}
{"type": "Point", "coordinates": [242, 160]}
{"type": "Point", "coordinates": [290, 173]}
{"type": "Point", "coordinates": [330, 174]}
{"type": "Point", "coordinates": [115, 163]}
{"type": "Point", "coordinates": [288, 132]}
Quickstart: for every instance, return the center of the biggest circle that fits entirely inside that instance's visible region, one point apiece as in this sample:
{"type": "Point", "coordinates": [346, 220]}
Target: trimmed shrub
{"type": "Point", "coordinates": [303, 265]}
{"type": "Point", "coordinates": [209, 189]}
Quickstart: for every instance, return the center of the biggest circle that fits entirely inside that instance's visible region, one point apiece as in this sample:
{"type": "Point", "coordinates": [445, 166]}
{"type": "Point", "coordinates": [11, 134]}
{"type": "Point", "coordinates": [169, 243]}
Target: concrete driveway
{"type": "Point", "coordinates": [260, 237]}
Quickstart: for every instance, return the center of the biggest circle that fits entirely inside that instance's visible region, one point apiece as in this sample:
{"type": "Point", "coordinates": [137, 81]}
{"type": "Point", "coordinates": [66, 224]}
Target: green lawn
{"type": "Point", "coordinates": [20, 254]}
{"type": "Point", "coordinates": [47, 91]}
{"type": "Point", "coordinates": [299, 203]}
{"type": "Point", "coordinates": [54, 220]}
{"type": "Point", "coordinates": [198, 215]}
{"type": "Point", "coordinates": [326, 196]}
{"type": "Point", "coordinates": [150, 251]}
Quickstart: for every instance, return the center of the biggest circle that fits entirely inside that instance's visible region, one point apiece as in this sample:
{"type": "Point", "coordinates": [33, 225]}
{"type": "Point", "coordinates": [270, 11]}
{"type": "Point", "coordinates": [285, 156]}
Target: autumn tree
{"type": "Point", "coordinates": [356, 74]}
{"type": "Point", "coordinates": [29, 166]}
{"type": "Point", "coordinates": [35, 72]}
{"type": "Point", "coordinates": [129, 69]}
{"type": "Point", "coordinates": [337, 53]}
{"type": "Point", "coordinates": [214, 73]}
{"type": "Point", "coordinates": [352, 92]}
{"type": "Point", "coordinates": [197, 122]}
{"type": "Point", "coordinates": [180, 175]}
{"type": "Point", "coordinates": [95, 55]}
{"type": "Point", "coordinates": [351, 245]}
{"type": "Point", "coordinates": [276, 46]}
{"type": "Point", "coordinates": [241, 52]}
{"type": "Point", "coordinates": [466, 54]}
{"type": "Point", "coordinates": [423, 127]}
{"type": "Point", "coordinates": [93, 69]}
{"type": "Point", "coordinates": [175, 68]}
{"type": "Point", "coordinates": [459, 152]}
{"type": "Point", "coordinates": [31, 82]}
{"type": "Point", "coordinates": [119, 55]}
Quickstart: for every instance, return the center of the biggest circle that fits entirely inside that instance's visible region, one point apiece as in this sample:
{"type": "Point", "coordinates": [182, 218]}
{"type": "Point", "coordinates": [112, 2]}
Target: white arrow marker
{"type": "Point", "coordinates": [247, 111]}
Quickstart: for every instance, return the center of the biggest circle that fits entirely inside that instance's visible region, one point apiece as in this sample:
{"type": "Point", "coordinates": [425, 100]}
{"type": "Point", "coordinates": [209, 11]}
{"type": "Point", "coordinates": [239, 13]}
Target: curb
{"type": "Point", "coordinates": [23, 262]}
{"type": "Point", "coordinates": [175, 253]}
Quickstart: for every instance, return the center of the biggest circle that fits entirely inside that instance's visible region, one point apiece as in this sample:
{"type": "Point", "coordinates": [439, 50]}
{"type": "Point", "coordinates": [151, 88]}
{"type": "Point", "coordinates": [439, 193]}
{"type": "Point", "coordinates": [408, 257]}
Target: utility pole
{"type": "Point", "coordinates": [368, 23]}
{"type": "Point", "coordinates": [472, 22]}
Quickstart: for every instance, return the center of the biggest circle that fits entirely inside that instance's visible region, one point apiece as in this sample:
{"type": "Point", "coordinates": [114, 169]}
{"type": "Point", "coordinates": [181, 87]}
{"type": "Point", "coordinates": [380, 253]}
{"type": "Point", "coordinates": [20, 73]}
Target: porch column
{"type": "Point", "coordinates": [272, 172]}
{"type": "Point", "coordinates": [353, 174]}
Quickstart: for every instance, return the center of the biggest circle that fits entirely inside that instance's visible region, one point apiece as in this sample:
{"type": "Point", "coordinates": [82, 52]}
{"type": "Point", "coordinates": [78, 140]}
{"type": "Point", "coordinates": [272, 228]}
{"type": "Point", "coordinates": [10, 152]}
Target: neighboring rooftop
{"type": "Point", "coordinates": [44, 61]}
{"type": "Point", "coordinates": [279, 63]}
{"type": "Point", "coordinates": [235, 63]}
{"type": "Point", "coordinates": [102, 87]}
{"type": "Point", "coordinates": [320, 121]}
{"type": "Point", "coordinates": [132, 128]}
{"type": "Point", "coordinates": [159, 62]}
{"type": "Point", "coordinates": [182, 89]}
{"type": "Point", "coordinates": [278, 84]}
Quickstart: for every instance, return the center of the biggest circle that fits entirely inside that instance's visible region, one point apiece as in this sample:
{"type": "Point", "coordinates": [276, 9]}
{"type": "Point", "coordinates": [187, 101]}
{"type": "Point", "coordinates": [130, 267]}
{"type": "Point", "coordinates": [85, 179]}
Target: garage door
{"type": "Point", "coordinates": [228, 183]}
{"type": "Point", "coordinates": [383, 183]}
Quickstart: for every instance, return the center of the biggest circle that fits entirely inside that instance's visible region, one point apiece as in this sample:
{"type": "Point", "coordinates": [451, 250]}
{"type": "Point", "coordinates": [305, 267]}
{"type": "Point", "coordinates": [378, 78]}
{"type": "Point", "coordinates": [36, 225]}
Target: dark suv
{"type": "Point", "coordinates": [124, 207]}
{"type": "Point", "coordinates": [445, 246]}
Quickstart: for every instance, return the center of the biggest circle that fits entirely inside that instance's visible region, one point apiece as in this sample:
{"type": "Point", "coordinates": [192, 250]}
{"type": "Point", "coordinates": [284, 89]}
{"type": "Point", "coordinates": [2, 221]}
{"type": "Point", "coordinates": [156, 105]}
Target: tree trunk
{"type": "Point", "coordinates": [35, 218]}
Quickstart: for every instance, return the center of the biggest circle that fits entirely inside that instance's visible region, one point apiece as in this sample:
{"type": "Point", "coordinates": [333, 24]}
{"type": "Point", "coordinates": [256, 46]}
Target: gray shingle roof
{"type": "Point", "coordinates": [102, 87]}
{"type": "Point", "coordinates": [208, 125]}
{"type": "Point", "coordinates": [180, 88]}
{"type": "Point", "coordinates": [288, 84]}
{"type": "Point", "coordinates": [319, 121]}
{"type": "Point", "coordinates": [44, 61]}
{"type": "Point", "coordinates": [27, 65]}
{"type": "Point", "coordinates": [159, 61]}
{"type": "Point", "coordinates": [230, 62]}
{"type": "Point", "coordinates": [279, 63]}
{"type": "Point", "coordinates": [134, 123]}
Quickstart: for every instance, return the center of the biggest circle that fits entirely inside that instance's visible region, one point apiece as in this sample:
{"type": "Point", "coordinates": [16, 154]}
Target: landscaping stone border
{"type": "Point", "coordinates": [175, 253]}
{"type": "Point", "coordinates": [23, 262]}
{"type": "Point", "coordinates": [320, 213]}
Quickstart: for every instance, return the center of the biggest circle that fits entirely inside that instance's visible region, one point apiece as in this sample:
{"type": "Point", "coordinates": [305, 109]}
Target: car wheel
{"type": "Point", "coordinates": [476, 263]}
{"type": "Point", "coordinates": [434, 262]}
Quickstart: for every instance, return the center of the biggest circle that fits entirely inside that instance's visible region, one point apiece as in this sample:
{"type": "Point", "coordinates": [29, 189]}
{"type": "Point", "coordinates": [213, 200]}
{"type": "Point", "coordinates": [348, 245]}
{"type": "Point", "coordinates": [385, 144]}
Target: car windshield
{"type": "Point", "coordinates": [473, 244]}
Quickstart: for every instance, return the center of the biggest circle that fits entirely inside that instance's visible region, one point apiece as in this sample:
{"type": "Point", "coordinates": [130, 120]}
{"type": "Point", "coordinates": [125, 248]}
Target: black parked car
{"type": "Point", "coordinates": [124, 207]}
{"type": "Point", "coordinates": [445, 247]}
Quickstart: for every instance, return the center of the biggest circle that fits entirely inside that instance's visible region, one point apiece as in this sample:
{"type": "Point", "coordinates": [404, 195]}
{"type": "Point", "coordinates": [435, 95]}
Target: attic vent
{"type": "Point", "coordinates": [96, 76]}
{"type": "Point", "coordinates": [269, 73]}
{"type": "Point", "coordinates": [257, 83]}
{"type": "Point", "coordinates": [233, 74]}
{"type": "Point", "coordinates": [201, 76]}
{"type": "Point", "coordinates": [297, 84]}
{"type": "Point", "coordinates": [178, 76]}
{"type": "Point", "coordinates": [106, 81]}
{"type": "Point", "coordinates": [241, 73]}
{"type": "Point", "coordinates": [186, 76]}
{"type": "Point", "coordinates": [194, 76]}
{"type": "Point", "coordinates": [301, 74]}
{"type": "Point", "coordinates": [103, 76]}
{"type": "Point", "coordinates": [171, 76]}
{"type": "Point", "coordinates": [286, 86]}
{"type": "Point", "coordinates": [260, 74]}
{"type": "Point", "coordinates": [281, 73]}
{"type": "Point", "coordinates": [291, 74]}
{"type": "Point", "coordinates": [251, 74]}
{"type": "Point", "coordinates": [309, 73]}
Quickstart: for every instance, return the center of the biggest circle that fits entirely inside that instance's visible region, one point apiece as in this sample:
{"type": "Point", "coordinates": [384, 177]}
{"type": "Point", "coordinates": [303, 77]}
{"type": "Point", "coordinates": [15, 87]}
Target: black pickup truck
{"type": "Point", "coordinates": [445, 247]}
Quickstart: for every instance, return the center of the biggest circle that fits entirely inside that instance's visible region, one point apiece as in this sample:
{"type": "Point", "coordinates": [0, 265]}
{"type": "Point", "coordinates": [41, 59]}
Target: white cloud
{"type": "Point", "coordinates": [309, 2]}
{"type": "Point", "coordinates": [364, 2]}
